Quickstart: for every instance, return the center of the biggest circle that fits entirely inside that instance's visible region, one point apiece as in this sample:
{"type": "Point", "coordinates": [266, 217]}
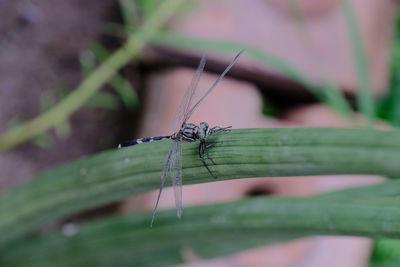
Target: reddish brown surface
{"type": "Point", "coordinates": [308, 8]}
{"type": "Point", "coordinates": [317, 45]}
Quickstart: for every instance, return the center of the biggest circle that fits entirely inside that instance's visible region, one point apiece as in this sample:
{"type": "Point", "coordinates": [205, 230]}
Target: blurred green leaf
{"type": "Point", "coordinates": [267, 108]}
{"type": "Point", "coordinates": [14, 121]}
{"type": "Point", "coordinates": [333, 96]}
{"type": "Point", "coordinates": [386, 253]}
{"type": "Point", "coordinates": [87, 61]}
{"type": "Point", "coordinates": [63, 90]}
{"type": "Point", "coordinates": [390, 105]}
{"type": "Point", "coordinates": [365, 100]}
{"type": "Point", "coordinates": [147, 7]}
{"type": "Point", "coordinates": [121, 85]}
{"type": "Point", "coordinates": [130, 15]}
{"type": "Point", "coordinates": [213, 230]}
{"type": "Point", "coordinates": [104, 100]}
{"type": "Point", "coordinates": [63, 129]}
{"type": "Point", "coordinates": [46, 101]}
{"type": "Point", "coordinates": [43, 141]}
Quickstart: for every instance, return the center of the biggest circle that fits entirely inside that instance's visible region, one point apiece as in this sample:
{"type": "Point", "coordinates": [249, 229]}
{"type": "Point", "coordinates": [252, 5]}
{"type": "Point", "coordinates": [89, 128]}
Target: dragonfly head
{"type": "Point", "coordinates": [203, 130]}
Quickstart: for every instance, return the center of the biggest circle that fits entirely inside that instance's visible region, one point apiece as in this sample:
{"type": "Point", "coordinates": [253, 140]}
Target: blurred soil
{"type": "Point", "coordinates": [40, 44]}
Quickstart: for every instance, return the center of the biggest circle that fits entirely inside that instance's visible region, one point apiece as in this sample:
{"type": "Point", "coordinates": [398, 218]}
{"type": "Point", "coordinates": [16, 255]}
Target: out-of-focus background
{"type": "Point", "coordinates": [306, 63]}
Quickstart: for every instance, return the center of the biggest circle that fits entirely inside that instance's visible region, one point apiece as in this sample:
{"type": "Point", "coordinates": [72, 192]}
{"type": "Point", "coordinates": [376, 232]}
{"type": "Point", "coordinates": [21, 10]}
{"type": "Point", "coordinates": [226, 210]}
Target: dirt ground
{"type": "Point", "coordinates": [40, 44]}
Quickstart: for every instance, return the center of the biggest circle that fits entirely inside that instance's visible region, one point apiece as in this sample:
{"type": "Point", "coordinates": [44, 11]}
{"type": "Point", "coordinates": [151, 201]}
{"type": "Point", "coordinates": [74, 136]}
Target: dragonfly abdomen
{"type": "Point", "coordinates": [143, 140]}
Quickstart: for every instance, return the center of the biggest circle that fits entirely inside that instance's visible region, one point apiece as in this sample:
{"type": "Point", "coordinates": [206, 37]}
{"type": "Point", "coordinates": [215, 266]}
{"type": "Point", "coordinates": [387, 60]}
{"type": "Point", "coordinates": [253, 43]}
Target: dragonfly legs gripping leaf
{"type": "Point", "coordinates": [204, 147]}
{"type": "Point", "coordinates": [202, 153]}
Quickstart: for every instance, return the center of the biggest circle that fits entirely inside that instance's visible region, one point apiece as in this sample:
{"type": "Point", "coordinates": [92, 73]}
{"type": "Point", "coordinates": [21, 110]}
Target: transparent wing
{"type": "Point", "coordinates": [168, 166]}
{"type": "Point", "coordinates": [190, 111]}
{"type": "Point", "coordinates": [176, 176]}
{"type": "Point", "coordinates": [190, 92]}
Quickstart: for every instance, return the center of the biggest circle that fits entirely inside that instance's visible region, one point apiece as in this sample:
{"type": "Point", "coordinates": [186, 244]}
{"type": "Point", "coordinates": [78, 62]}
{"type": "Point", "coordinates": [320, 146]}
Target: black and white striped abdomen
{"type": "Point", "coordinates": [142, 140]}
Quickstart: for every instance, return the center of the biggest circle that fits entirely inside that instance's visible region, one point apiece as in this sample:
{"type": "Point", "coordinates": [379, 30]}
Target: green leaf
{"type": "Point", "coordinates": [46, 101]}
{"type": "Point", "coordinates": [104, 100]}
{"type": "Point", "coordinates": [44, 140]}
{"type": "Point", "coordinates": [121, 85]}
{"type": "Point", "coordinates": [365, 100]}
{"type": "Point", "coordinates": [333, 96]}
{"type": "Point", "coordinates": [390, 106]}
{"type": "Point", "coordinates": [63, 129]}
{"type": "Point", "coordinates": [87, 61]}
{"type": "Point", "coordinates": [62, 89]}
{"type": "Point", "coordinates": [386, 253]}
{"type": "Point", "coordinates": [147, 7]}
{"type": "Point", "coordinates": [211, 230]}
{"type": "Point", "coordinates": [130, 15]}
{"type": "Point", "coordinates": [14, 121]}
{"type": "Point", "coordinates": [118, 174]}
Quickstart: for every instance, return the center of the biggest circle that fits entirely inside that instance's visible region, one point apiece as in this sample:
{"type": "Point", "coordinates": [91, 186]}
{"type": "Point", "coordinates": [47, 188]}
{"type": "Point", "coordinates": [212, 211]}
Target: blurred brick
{"type": "Point", "coordinates": [317, 45]}
{"type": "Point", "coordinates": [306, 7]}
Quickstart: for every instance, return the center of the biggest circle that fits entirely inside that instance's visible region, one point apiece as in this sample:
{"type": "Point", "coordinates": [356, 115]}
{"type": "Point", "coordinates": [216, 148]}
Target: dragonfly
{"type": "Point", "coordinates": [186, 133]}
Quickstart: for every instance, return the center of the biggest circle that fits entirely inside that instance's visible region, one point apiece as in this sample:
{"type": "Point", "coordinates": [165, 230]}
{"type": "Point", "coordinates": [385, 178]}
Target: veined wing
{"type": "Point", "coordinates": [190, 92]}
{"type": "Point", "coordinates": [173, 160]}
{"type": "Point", "coordinates": [190, 111]}
{"type": "Point", "coordinates": [168, 166]}
{"type": "Point", "coordinates": [176, 176]}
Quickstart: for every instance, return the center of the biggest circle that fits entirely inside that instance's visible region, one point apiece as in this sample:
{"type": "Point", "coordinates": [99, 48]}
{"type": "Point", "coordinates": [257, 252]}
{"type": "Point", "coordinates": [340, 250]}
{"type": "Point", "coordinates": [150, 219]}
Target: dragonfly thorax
{"type": "Point", "coordinates": [187, 133]}
{"type": "Point", "coordinates": [190, 132]}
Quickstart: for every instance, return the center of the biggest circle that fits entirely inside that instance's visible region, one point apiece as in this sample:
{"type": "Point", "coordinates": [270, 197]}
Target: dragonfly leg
{"type": "Point", "coordinates": [217, 129]}
{"type": "Point", "coordinates": [207, 155]}
{"type": "Point", "coordinates": [208, 168]}
{"type": "Point", "coordinates": [203, 154]}
{"type": "Point", "coordinates": [203, 150]}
